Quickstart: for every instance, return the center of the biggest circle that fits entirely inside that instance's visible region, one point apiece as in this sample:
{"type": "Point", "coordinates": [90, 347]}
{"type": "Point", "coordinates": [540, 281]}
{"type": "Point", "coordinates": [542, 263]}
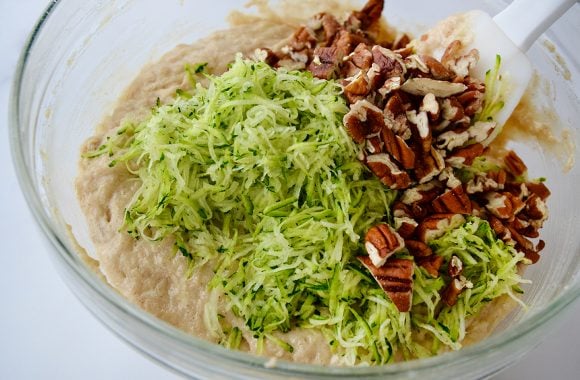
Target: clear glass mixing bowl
{"type": "Point", "coordinates": [79, 58]}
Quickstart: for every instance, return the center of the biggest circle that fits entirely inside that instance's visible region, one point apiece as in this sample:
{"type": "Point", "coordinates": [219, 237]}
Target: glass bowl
{"type": "Point", "coordinates": [80, 57]}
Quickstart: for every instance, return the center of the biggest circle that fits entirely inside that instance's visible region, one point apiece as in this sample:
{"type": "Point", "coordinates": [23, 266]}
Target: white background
{"type": "Point", "coordinates": [46, 333]}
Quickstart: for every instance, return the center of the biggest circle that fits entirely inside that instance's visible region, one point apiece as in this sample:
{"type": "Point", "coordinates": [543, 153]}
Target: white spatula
{"type": "Point", "coordinates": [510, 34]}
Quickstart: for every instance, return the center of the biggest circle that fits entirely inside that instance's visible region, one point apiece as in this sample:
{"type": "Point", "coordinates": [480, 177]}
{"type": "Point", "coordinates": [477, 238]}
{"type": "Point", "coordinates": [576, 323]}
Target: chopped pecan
{"type": "Point", "coordinates": [386, 64]}
{"type": "Point", "coordinates": [362, 57]}
{"type": "Point", "coordinates": [374, 145]}
{"type": "Point", "coordinates": [363, 119]}
{"type": "Point", "coordinates": [395, 278]}
{"type": "Point", "coordinates": [415, 62]}
{"type": "Point", "coordinates": [430, 105]}
{"type": "Point", "coordinates": [451, 53]}
{"type": "Point", "coordinates": [454, 201]}
{"type": "Point", "coordinates": [448, 177]}
{"type": "Point", "coordinates": [452, 139]}
{"type": "Point", "coordinates": [346, 42]}
{"type": "Point", "coordinates": [537, 211]}
{"type": "Point", "coordinates": [421, 194]}
{"type": "Point", "coordinates": [539, 189]}
{"type": "Point", "coordinates": [436, 225]}
{"type": "Point", "coordinates": [356, 87]}
{"type": "Point", "coordinates": [525, 228]}
{"type": "Point", "coordinates": [500, 229]}
{"type": "Point", "coordinates": [463, 64]}
{"type": "Point", "coordinates": [388, 172]}
{"type": "Point", "coordinates": [390, 85]}
{"type": "Point", "coordinates": [370, 13]}
{"type": "Point", "coordinates": [514, 164]}
{"type": "Point", "coordinates": [432, 264]}
{"type": "Point", "coordinates": [503, 205]}
{"type": "Point", "coordinates": [401, 41]}
{"type": "Point", "coordinates": [526, 246]}
{"type": "Point", "coordinates": [405, 226]}
{"type": "Point", "coordinates": [325, 62]}
{"type": "Point", "coordinates": [439, 88]}
{"type": "Point", "coordinates": [451, 293]}
{"type": "Point", "coordinates": [330, 26]}
{"type": "Point", "coordinates": [452, 110]}
{"type": "Point", "coordinates": [382, 241]}
{"type": "Point", "coordinates": [479, 131]}
{"type": "Point", "coordinates": [398, 148]}
{"type": "Point", "coordinates": [455, 266]}
{"type": "Point", "coordinates": [436, 68]}
{"type": "Point", "coordinates": [484, 182]}
{"type": "Point", "coordinates": [472, 102]}
{"type": "Point", "coordinates": [465, 155]}
{"type": "Point", "coordinates": [423, 132]}
{"type": "Point", "coordinates": [302, 39]}
{"type": "Point", "coordinates": [418, 248]}
{"type": "Point", "coordinates": [429, 166]}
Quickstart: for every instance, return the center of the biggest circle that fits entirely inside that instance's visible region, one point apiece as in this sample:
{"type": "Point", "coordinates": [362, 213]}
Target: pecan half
{"type": "Point", "coordinates": [454, 201]}
{"type": "Point", "coordinates": [514, 164]}
{"type": "Point", "coordinates": [381, 242]}
{"type": "Point", "coordinates": [395, 278]}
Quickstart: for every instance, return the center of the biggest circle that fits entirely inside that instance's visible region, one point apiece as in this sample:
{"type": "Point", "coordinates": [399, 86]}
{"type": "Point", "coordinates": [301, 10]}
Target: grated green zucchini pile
{"type": "Point", "coordinates": [255, 175]}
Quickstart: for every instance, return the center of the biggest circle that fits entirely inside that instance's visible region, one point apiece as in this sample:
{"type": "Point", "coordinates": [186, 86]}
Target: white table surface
{"type": "Point", "coordinates": [46, 333]}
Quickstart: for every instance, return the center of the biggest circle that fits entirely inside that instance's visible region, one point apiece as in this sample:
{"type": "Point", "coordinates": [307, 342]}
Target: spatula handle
{"type": "Point", "coordinates": [525, 20]}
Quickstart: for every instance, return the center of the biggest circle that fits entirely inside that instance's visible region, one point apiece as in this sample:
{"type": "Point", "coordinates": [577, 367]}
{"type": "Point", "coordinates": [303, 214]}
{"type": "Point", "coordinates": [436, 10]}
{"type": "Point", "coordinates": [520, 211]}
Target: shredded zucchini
{"type": "Point", "coordinates": [256, 176]}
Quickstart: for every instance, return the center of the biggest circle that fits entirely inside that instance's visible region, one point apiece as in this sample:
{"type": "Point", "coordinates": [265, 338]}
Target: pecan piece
{"type": "Point", "coordinates": [539, 189]}
{"type": "Point", "coordinates": [325, 62]}
{"type": "Point", "coordinates": [421, 194]}
{"type": "Point", "coordinates": [398, 148]}
{"type": "Point", "coordinates": [500, 229]}
{"type": "Point", "coordinates": [485, 182]}
{"type": "Point", "coordinates": [454, 201]}
{"type": "Point", "coordinates": [436, 225]}
{"type": "Point", "coordinates": [395, 278]}
{"type": "Point", "coordinates": [356, 87]}
{"type": "Point", "coordinates": [514, 164]}
{"type": "Point", "coordinates": [418, 248]}
{"type": "Point", "coordinates": [429, 166]}
{"type": "Point", "coordinates": [369, 14]}
{"type": "Point", "coordinates": [302, 39]}
{"type": "Point", "coordinates": [431, 264]}
{"type": "Point", "coordinates": [386, 64]}
{"type": "Point", "coordinates": [388, 172]}
{"type": "Point", "coordinates": [439, 88]}
{"type": "Point", "coordinates": [455, 266]}
{"type": "Point", "coordinates": [451, 293]}
{"type": "Point", "coordinates": [465, 155]}
{"type": "Point", "coordinates": [362, 120]}
{"type": "Point", "coordinates": [436, 68]}
{"type": "Point", "coordinates": [503, 205]}
{"type": "Point", "coordinates": [430, 105]}
{"type": "Point", "coordinates": [381, 242]}
{"type": "Point", "coordinates": [405, 226]}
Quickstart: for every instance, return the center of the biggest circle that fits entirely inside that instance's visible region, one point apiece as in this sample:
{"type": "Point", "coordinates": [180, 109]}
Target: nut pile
{"type": "Point", "coordinates": [416, 120]}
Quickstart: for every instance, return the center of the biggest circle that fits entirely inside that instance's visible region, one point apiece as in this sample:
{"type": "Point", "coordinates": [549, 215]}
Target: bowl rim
{"type": "Point", "coordinates": [507, 339]}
